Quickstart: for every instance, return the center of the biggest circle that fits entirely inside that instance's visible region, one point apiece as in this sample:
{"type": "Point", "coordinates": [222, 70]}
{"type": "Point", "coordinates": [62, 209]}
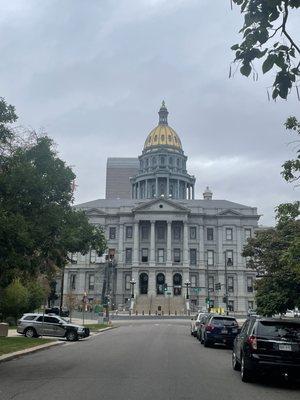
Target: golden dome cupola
{"type": "Point", "coordinates": [163, 134]}
{"type": "Point", "coordinates": [162, 165]}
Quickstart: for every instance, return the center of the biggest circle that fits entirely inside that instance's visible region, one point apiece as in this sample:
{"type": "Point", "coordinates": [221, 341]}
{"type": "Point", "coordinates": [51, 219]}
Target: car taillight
{"type": "Point", "coordinates": [209, 327]}
{"type": "Point", "coordinates": [252, 341]}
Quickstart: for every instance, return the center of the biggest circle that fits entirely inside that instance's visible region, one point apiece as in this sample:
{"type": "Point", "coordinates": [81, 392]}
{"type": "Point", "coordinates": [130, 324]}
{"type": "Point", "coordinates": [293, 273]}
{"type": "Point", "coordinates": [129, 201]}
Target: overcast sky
{"type": "Point", "coordinates": [92, 74]}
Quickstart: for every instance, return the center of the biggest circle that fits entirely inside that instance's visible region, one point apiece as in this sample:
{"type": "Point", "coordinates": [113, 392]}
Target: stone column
{"type": "Point", "coordinates": [168, 188]}
{"type": "Point", "coordinates": [185, 187]}
{"type": "Point", "coordinates": [121, 239]}
{"type": "Point", "coordinates": [185, 245]}
{"type": "Point", "coordinates": [178, 192]}
{"type": "Point", "coordinates": [201, 246]}
{"type": "Point", "coordinates": [238, 262]}
{"type": "Point", "coordinates": [136, 244]}
{"type": "Point", "coordinates": [152, 244]}
{"type": "Point", "coordinates": [169, 243]}
{"type": "Point", "coordinates": [146, 189]}
{"type": "Point", "coordinates": [193, 192]}
{"type": "Point", "coordinates": [221, 259]}
{"type": "Point", "coordinates": [156, 187]}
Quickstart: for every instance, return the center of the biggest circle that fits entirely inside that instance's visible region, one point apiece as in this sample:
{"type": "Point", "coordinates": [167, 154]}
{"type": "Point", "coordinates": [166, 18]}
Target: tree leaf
{"type": "Point", "coordinates": [268, 63]}
{"type": "Point", "coordinates": [246, 69]}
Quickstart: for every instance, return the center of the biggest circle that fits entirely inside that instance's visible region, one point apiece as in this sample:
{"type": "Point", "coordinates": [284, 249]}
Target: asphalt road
{"type": "Point", "coordinates": [137, 361]}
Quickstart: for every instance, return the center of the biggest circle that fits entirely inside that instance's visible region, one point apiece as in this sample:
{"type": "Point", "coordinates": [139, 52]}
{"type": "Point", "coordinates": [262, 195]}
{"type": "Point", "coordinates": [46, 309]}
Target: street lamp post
{"type": "Point", "coordinates": [228, 263]}
{"type": "Point", "coordinates": [132, 283]}
{"type": "Point", "coordinates": [187, 284]}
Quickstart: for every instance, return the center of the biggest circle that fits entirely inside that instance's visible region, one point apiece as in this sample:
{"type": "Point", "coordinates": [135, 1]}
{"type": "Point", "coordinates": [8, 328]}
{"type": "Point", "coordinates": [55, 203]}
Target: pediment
{"type": "Point", "coordinates": [161, 205]}
{"type": "Point", "coordinates": [229, 213]}
{"type": "Point", "coordinates": [95, 212]}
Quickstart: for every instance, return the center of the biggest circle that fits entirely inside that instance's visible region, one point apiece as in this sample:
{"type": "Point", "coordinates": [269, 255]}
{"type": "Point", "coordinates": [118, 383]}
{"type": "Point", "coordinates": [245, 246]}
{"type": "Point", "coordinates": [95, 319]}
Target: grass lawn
{"type": "Point", "coordinates": [96, 327]}
{"type": "Point", "coordinates": [12, 344]}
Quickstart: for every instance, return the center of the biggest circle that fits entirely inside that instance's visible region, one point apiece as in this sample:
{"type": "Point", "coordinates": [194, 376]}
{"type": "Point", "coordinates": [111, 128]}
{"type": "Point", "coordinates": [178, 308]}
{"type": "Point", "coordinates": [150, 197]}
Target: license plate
{"type": "Point", "coordinates": [224, 331]}
{"type": "Point", "coordinates": [285, 347]}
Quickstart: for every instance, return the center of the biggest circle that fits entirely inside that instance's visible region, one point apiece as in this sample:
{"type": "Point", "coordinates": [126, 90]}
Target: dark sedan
{"type": "Point", "coordinates": [219, 329]}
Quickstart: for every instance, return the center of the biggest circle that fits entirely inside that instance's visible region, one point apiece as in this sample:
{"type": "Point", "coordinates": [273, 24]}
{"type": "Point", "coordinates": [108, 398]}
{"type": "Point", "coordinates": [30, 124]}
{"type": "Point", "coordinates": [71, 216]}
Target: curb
{"type": "Point", "coordinates": [16, 354]}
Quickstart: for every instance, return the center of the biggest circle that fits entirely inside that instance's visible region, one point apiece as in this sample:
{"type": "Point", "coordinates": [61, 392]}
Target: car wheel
{"type": "Point", "coordinates": [71, 336]}
{"type": "Point", "coordinates": [246, 374]}
{"type": "Point", "coordinates": [206, 342]}
{"type": "Point", "coordinates": [235, 364]}
{"type": "Point", "coordinates": [30, 333]}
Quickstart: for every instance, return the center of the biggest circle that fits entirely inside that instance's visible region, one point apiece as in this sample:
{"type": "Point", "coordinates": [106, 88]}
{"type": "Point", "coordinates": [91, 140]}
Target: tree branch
{"type": "Point", "coordinates": [284, 21]}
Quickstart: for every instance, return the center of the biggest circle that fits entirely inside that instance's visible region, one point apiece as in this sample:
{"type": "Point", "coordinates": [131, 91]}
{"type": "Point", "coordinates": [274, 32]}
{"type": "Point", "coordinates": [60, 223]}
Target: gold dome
{"type": "Point", "coordinates": [163, 134]}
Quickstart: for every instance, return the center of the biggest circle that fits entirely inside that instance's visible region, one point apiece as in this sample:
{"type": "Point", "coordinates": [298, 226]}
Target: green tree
{"type": "Point", "coordinates": [15, 300]}
{"type": "Point", "coordinates": [39, 227]}
{"type": "Point", "coordinates": [275, 253]}
{"type": "Point", "coordinates": [266, 36]}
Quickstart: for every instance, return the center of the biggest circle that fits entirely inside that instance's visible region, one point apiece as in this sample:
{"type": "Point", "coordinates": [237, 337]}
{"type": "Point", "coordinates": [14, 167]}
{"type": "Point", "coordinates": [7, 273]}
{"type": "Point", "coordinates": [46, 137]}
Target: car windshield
{"type": "Point", "coordinates": [218, 321]}
{"type": "Point", "coordinates": [287, 330]}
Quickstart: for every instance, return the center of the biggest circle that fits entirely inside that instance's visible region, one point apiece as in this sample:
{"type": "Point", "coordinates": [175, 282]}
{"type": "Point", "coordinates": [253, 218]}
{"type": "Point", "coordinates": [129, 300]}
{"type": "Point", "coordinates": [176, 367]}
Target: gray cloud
{"type": "Point", "coordinates": [93, 75]}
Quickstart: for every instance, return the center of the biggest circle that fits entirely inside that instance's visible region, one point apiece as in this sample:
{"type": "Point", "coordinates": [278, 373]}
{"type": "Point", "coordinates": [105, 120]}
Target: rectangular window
{"type": "Point", "coordinates": [247, 234]}
{"type": "Point", "coordinates": [127, 282]}
{"type": "Point", "coordinates": [91, 282]}
{"type": "Point", "coordinates": [128, 255]}
{"type": "Point", "coordinates": [230, 284]}
{"type": "Point", "coordinates": [128, 232]}
{"type": "Point", "coordinates": [193, 232]}
{"type": "Point", "coordinates": [211, 283]}
{"type": "Point", "coordinates": [160, 255]}
{"type": "Point", "coordinates": [229, 234]}
{"type": "Point", "coordinates": [249, 284]}
{"type": "Point", "coordinates": [210, 257]}
{"type": "Point", "coordinates": [230, 305]}
{"type": "Point", "coordinates": [144, 255]}
{"type": "Point", "coordinates": [210, 233]}
{"type": "Point", "coordinates": [145, 232]}
{"type": "Point", "coordinates": [73, 282]}
{"type": "Point", "coordinates": [112, 233]}
{"type": "Point", "coordinates": [177, 232]}
{"type": "Point", "coordinates": [193, 256]}
{"type": "Point", "coordinates": [229, 258]}
{"type": "Point", "coordinates": [160, 232]}
{"type": "Point", "coordinates": [193, 281]}
{"type": "Point", "coordinates": [176, 255]}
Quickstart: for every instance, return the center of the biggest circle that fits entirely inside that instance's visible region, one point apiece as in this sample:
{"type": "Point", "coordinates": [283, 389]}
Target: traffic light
{"type": "Point", "coordinates": [165, 287]}
{"type": "Point", "coordinates": [218, 286]}
{"type": "Point", "coordinates": [207, 300]}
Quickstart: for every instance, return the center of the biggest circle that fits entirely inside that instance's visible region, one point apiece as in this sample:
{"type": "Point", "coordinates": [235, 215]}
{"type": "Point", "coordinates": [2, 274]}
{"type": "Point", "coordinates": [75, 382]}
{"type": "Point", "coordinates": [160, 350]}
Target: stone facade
{"type": "Point", "coordinates": [163, 239]}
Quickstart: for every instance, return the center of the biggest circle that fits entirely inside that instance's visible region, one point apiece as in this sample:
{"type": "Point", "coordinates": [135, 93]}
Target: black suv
{"type": "Point", "coordinates": [267, 344]}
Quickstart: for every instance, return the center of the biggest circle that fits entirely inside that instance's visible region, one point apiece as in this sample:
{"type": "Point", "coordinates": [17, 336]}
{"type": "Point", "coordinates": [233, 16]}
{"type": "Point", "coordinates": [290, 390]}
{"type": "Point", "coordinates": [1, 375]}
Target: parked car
{"type": "Point", "coordinates": [267, 344]}
{"type": "Point", "coordinates": [55, 310]}
{"type": "Point", "coordinates": [219, 329]}
{"type": "Point", "coordinates": [200, 327]}
{"type": "Point", "coordinates": [34, 325]}
{"type": "Point", "coordinates": [195, 321]}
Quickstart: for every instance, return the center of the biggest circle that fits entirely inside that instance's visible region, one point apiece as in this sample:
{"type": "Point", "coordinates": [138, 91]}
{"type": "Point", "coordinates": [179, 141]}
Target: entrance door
{"type": "Point", "coordinates": [177, 284]}
{"type": "Point", "coordinates": [160, 281]}
{"type": "Point", "coordinates": [143, 283]}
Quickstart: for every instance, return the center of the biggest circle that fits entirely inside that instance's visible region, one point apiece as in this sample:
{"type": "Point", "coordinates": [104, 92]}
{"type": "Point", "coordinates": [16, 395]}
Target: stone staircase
{"type": "Point", "coordinates": [159, 305]}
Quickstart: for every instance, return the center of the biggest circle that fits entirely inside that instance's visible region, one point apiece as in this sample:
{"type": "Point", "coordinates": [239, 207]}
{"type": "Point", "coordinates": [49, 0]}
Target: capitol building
{"type": "Point", "coordinates": [167, 250]}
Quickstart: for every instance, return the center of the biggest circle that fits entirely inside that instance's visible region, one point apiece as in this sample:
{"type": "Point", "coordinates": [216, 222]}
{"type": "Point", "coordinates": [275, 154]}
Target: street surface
{"type": "Point", "coordinates": [140, 360]}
